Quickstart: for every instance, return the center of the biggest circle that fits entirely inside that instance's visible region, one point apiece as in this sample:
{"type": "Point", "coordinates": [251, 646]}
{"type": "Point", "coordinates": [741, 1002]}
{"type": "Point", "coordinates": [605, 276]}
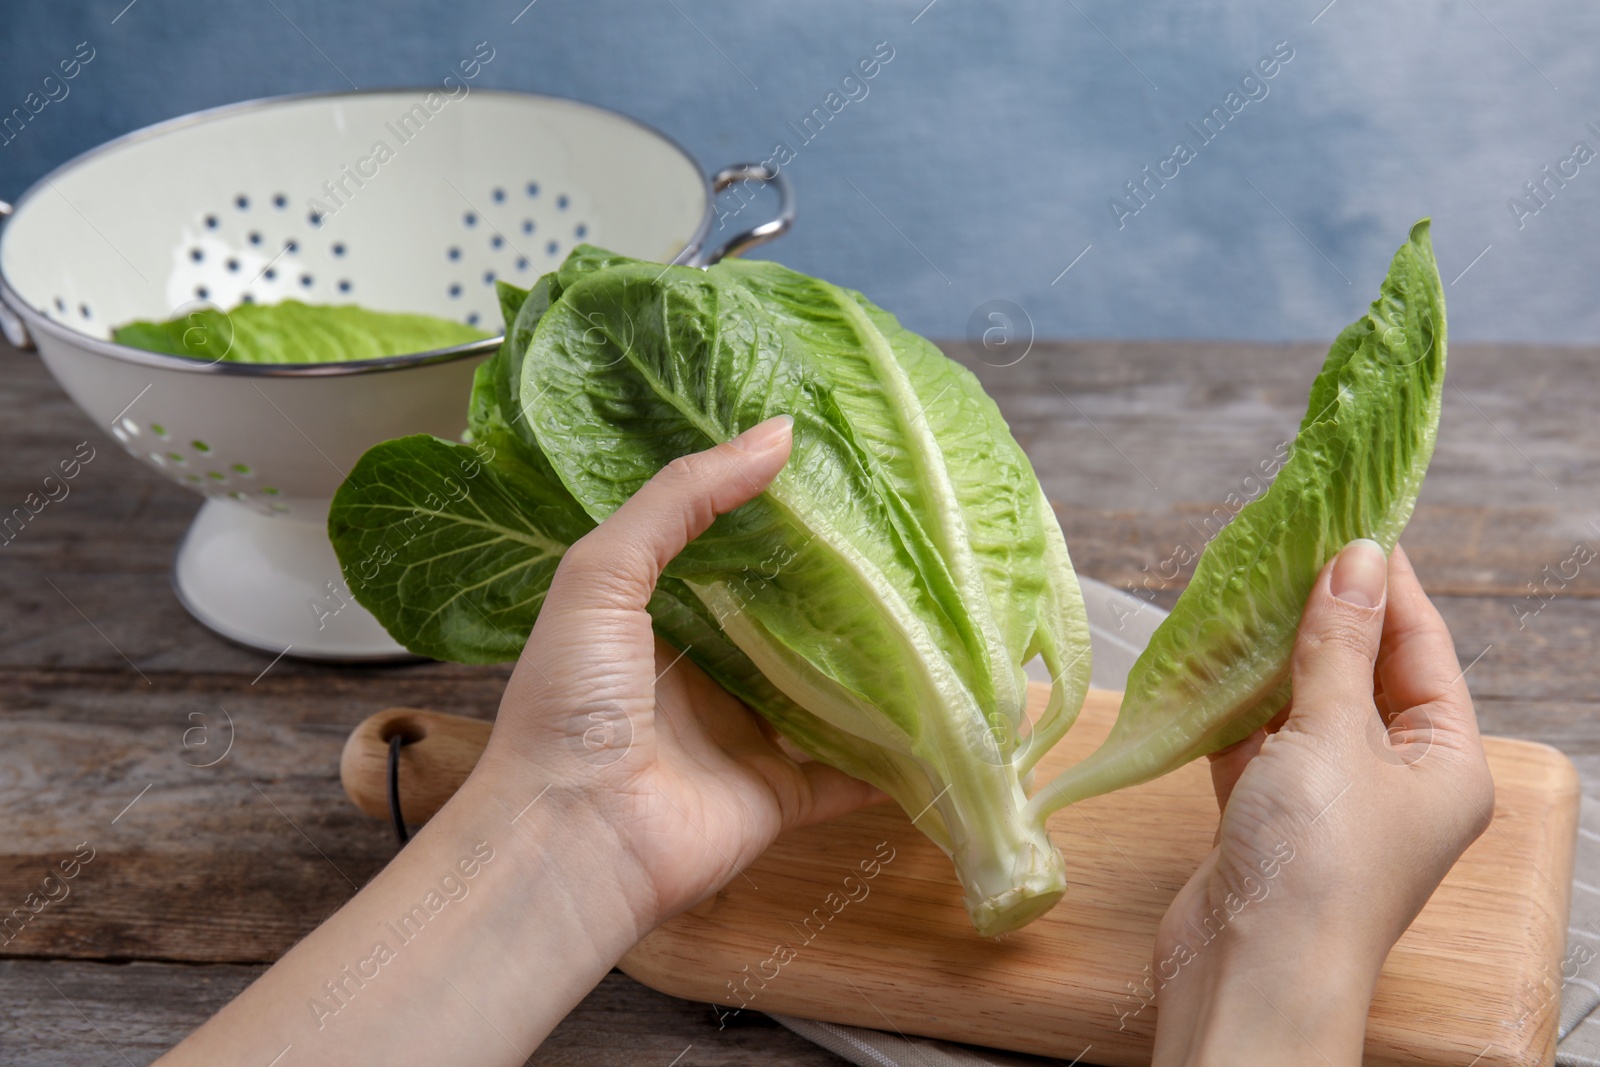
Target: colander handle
{"type": "Point", "coordinates": [745, 173]}
{"type": "Point", "coordinates": [10, 323]}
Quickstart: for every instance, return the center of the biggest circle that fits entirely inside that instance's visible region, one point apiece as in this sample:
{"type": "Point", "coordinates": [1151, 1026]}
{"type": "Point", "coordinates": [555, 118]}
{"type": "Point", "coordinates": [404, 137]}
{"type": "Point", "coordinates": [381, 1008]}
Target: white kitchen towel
{"type": "Point", "coordinates": [1120, 625]}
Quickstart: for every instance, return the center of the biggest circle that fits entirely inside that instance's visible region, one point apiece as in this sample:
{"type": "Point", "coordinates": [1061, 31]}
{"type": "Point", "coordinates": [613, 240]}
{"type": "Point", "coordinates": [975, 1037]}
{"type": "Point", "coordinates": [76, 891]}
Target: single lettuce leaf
{"type": "Point", "coordinates": [1217, 668]}
{"type": "Point", "coordinates": [964, 479]}
{"type": "Point", "coordinates": [292, 332]}
{"type": "Point", "coordinates": [883, 607]}
{"type": "Point", "coordinates": [452, 546]}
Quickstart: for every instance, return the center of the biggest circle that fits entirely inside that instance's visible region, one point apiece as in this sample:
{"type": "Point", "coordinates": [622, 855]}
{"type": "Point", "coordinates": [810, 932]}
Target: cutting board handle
{"type": "Point", "coordinates": [438, 753]}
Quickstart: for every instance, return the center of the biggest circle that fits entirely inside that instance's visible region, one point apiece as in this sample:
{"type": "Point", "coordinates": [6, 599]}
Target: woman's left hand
{"type": "Point", "coordinates": [682, 783]}
{"type": "Point", "coordinates": [620, 786]}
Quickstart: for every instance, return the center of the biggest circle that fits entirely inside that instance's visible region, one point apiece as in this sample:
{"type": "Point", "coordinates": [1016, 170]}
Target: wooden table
{"type": "Point", "coordinates": [203, 875]}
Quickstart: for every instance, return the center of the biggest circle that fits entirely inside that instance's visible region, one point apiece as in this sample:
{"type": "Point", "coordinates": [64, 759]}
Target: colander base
{"type": "Point", "coordinates": [273, 583]}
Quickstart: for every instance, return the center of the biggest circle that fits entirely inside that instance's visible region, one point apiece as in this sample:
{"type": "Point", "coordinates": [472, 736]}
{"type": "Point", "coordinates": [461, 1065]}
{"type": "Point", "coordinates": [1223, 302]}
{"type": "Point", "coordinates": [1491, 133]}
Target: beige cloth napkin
{"type": "Point", "coordinates": [1120, 626]}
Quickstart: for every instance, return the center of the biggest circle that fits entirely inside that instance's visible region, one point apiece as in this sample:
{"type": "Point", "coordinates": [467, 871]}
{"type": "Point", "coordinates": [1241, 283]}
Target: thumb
{"type": "Point", "coordinates": [1340, 629]}
{"type": "Point", "coordinates": [617, 564]}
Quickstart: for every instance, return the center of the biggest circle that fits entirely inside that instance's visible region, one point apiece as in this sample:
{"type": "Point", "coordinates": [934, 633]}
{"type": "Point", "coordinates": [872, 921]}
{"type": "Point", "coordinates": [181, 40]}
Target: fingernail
{"type": "Point", "coordinates": [764, 435]}
{"type": "Point", "coordinates": [1360, 574]}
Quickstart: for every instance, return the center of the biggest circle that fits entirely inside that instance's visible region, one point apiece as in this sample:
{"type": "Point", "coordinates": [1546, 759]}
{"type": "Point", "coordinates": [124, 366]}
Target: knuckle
{"type": "Point", "coordinates": [592, 572]}
{"type": "Point", "coordinates": [582, 555]}
{"type": "Point", "coordinates": [1342, 634]}
{"type": "Point", "coordinates": [689, 469]}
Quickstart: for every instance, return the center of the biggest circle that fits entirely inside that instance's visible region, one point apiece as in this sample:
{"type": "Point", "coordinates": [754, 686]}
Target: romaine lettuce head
{"type": "Point", "coordinates": [891, 581]}
{"type": "Point", "coordinates": [876, 603]}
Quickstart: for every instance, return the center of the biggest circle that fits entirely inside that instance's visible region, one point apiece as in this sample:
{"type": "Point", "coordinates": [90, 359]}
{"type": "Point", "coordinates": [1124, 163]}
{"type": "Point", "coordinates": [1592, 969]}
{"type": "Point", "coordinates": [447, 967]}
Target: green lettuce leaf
{"type": "Point", "coordinates": [1217, 668]}
{"type": "Point", "coordinates": [292, 332]}
{"type": "Point", "coordinates": [452, 546]}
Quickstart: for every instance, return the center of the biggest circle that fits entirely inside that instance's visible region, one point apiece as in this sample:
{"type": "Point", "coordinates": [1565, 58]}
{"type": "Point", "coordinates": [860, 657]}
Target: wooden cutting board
{"type": "Point", "coordinates": [1475, 982]}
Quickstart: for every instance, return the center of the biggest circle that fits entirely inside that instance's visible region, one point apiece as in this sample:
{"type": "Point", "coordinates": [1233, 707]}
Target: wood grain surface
{"type": "Point", "coordinates": [102, 673]}
{"type": "Point", "coordinates": [812, 932]}
{"type": "Point", "coordinates": [1489, 937]}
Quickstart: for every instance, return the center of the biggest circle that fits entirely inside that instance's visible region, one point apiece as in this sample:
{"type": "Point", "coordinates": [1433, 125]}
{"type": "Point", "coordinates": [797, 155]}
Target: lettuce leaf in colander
{"type": "Point", "coordinates": [292, 332]}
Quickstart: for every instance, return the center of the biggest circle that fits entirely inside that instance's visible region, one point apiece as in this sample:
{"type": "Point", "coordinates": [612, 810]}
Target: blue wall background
{"type": "Point", "coordinates": [982, 160]}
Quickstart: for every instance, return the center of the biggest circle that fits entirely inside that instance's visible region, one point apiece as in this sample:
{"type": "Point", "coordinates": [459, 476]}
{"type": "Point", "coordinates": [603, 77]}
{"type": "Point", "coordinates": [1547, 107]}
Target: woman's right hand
{"type": "Point", "coordinates": [1339, 819]}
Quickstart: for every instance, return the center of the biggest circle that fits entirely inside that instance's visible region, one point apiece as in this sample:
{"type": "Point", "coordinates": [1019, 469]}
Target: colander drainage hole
{"type": "Point", "coordinates": [196, 254]}
{"type": "Point", "coordinates": [527, 225]}
{"type": "Point", "coordinates": [305, 280]}
{"type": "Point", "coordinates": [83, 309]}
{"type": "Point", "coordinates": [499, 196]}
{"type": "Point", "coordinates": [280, 201]}
{"type": "Point", "coordinates": [533, 188]}
{"type": "Point", "coordinates": [453, 253]}
{"type": "Point", "coordinates": [242, 202]}
{"type": "Point", "coordinates": [470, 218]}
{"type": "Point", "coordinates": [199, 446]}
{"type": "Point", "coordinates": [472, 319]}
{"type": "Point", "coordinates": [344, 285]}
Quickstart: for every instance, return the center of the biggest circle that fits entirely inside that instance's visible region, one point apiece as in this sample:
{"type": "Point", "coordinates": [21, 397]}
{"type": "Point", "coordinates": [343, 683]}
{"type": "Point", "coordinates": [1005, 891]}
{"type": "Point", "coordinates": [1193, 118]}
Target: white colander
{"type": "Point", "coordinates": [399, 200]}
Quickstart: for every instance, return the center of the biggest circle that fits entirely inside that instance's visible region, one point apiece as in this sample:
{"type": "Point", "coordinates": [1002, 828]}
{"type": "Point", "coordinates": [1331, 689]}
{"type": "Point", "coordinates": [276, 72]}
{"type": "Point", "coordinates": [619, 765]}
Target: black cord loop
{"type": "Point", "coordinates": [394, 790]}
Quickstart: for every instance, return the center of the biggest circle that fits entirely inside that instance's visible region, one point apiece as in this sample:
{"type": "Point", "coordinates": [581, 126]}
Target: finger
{"type": "Point", "coordinates": [828, 794]}
{"type": "Point", "coordinates": [1229, 763]}
{"type": "Point", "coordinates": [1337, 645]}
{"type": "Point", "coordinates": [618, 563]}
{"type": "Point", "coordinates": [1417, 657]}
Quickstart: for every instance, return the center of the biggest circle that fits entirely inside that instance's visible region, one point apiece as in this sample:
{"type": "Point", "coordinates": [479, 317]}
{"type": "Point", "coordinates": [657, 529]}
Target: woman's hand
{"type": "Point", "coordinates": [685, 786]}
{"type": "Point", "coordinates": [1339, 819]}
{"type": "Point", "coordinates": [620, 786]}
